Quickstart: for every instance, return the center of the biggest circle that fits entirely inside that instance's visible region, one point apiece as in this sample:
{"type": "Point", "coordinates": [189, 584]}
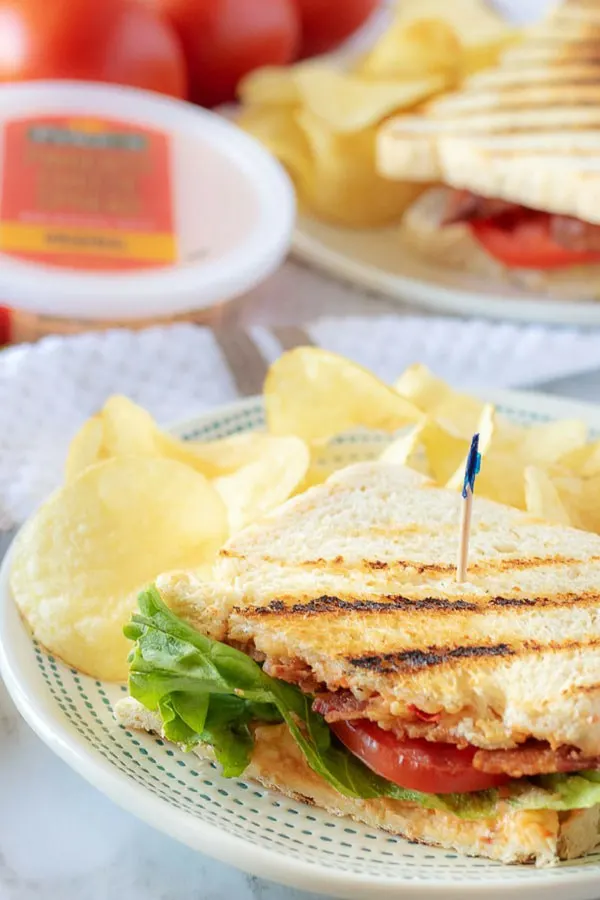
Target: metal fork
{"type": "Point", "coordinates": [244, 357]}
{"type": "Point", "coordinates": [6, 538]}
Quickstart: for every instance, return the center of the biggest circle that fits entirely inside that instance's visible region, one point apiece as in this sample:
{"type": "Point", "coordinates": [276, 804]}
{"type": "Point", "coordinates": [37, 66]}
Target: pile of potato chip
{"type": "Point", "coordinates": [138, 502]}
{"type": "Point", "coordinates": [321, 121]}
{"type": "Point", "coordinates": [549, 469]}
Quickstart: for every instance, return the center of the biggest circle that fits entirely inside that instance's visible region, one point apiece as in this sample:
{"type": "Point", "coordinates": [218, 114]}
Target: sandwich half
{"type": "Point", "coordinates": [335, 658]}
{"type": "Point", "coordinates": [517, 152]}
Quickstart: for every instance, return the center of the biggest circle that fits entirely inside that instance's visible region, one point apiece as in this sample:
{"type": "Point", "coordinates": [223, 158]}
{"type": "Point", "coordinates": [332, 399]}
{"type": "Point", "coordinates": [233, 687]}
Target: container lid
{"type": "Point", "coordinates": [117, 203]}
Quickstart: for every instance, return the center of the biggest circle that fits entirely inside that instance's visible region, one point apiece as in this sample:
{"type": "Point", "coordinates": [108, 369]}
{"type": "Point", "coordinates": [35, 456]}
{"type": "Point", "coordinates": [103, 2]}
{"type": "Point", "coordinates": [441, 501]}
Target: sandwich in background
{"type": "Point", "coordinates": [517, 149]}
{"type": "Point", "coordinates": [320, 118]}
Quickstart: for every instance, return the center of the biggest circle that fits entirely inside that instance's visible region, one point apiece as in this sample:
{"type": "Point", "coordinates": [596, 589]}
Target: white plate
{"type": "Point", "coordinates": [240, 822]}
{"type": "Point", "coordinates": [376, 260]}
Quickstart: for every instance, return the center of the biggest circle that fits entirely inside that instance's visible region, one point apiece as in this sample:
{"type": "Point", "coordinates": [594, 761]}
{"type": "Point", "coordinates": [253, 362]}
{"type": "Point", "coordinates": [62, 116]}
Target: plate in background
{"type": "Point", "coordinates": [375, 259]}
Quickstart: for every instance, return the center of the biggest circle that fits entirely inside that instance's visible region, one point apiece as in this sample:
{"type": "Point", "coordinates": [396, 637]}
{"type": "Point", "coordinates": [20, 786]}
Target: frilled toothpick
{"type": "Point", "coordinates": [471, 471]}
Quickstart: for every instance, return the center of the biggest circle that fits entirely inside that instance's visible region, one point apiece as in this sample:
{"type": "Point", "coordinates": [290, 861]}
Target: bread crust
{"type": "Point", "coordinates": [526, 131]}
{"type": "Point", "coordinates": [542, 837]}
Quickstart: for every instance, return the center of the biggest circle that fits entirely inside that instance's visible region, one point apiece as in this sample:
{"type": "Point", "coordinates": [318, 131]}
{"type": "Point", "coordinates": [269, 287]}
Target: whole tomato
{"type": "Point", "coordinates": [223, 40]}
{"type": "Point", "coordinates": [120, 41]}
{"type": "Point", "coordinates": [326, 23]}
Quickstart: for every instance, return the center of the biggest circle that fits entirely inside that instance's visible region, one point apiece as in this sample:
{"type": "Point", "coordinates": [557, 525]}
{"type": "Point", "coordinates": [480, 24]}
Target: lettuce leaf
{"type": "Point", "coordinates": [207, 692]}
{"type": "Point", "coordinates": [558, 792]}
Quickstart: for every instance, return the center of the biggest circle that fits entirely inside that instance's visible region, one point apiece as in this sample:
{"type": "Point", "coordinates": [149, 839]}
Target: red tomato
{"type": "Point", "coordinates": [326, 23]}
{"type": "Point", "coordinates": [118, 41]}
{"type": "Point", "coordinates": [418, 765]}
{"type": "Point", "coordinates": [223, 40]}
{"type": "Point", "coordinates": [4, 325]}
{"type": "Point", "coordinates": [525, 241]}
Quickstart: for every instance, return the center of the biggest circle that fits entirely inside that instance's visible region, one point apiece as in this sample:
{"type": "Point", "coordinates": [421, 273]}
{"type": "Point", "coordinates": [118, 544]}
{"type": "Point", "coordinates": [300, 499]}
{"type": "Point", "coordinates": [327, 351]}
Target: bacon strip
{"type": "Point", "coordinates": [295, 671]}
{"type": "Point", "coordinates": [533, 758]}
{"type": "Point", "coordinates": [464, 206]}
{"type": "Point", "coordinates": [341, 706]}
{"type": "Point", "coordinates": [567, 231]}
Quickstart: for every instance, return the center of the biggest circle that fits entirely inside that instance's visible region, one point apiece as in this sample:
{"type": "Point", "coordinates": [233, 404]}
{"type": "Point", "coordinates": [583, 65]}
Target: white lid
{"type": "Point", "coordinates": [233, 209]}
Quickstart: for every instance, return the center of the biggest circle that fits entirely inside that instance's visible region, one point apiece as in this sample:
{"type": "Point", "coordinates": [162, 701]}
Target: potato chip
{"type": "Point", "coordinates": [542, 498]}
{"type": "Point", "coordinates": [269, 86]}
{"type": "Point", "coordinates": [583, 460]}
{"type": "Point", "coordinates": [342, 184]}
{"type": "Point", "coordinates": [124, 429]}
{"type": "Point", "coordinates": [258, 487]}
{"type": "Point", "coordinates": [580, 496]}
{"type": "Point", "coordinates": [221, 457]}
{"type": "Point", "coordinates": [457, 413]}
{"type": "Point", "coordinates": [129, 430]}
{"type": "Point", "coordinates": [474, 21]}
{"type": "Point", "coordinates": [549, 442]}
{"type": "Point", "coordinates": [329, 458]}
{"type": "Point", "coordinates": [79, 563]}
{"type": "Point", "coordinates": [591, 466]}
{"type": "Point", "coordinates": [502, 475]}
{"type": "Point", "coordinates": [444, 451]}
{"type": "Point", "coordinates": [502, 468]}
{"type": "Point", "coordinates": [346, 103]}
{"type": "Point", "coordinates": [86, 448]}
{"type": "Point", "coordinates": [404, 451]}
{"type": "Point", "coordinates": [588, 505]}
{"type": "Point", "coordinates": [485, 427]}
{"type": "Point", "coordinates": [502, 479]}
{"type": "Point", "coordinates": [483, 34]}
{"type": "Point", "coordinates": [278, 130]}
{"type": "Point", "coordinates": [315, 394]}
{"type": "Point", "coordinates": [429, 449]}
{"type": "Point", "coordinates": [483, 56]}
{"type": "Point", "coordinates": [422, 47]}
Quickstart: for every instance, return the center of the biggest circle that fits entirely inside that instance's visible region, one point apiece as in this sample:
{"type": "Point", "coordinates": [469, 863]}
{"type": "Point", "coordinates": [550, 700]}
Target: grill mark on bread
{"type": "Point", "coordinates": [482, 566]}
{"type": "Point", "coordinates": [327, 605]}
{"type": "Point", "coordinates": [591, 598]}
{"type": "Point", "coordinates": [417, 660]}
{"type": "Point", "coordinates": [513, 101]}
{"type": "Point", "coordinates": [548, 152]}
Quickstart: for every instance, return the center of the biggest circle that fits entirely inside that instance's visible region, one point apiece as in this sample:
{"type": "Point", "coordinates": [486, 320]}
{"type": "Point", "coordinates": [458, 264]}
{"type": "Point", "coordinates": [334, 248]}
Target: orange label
{"type": "Point", "coordinates": [87, 193]}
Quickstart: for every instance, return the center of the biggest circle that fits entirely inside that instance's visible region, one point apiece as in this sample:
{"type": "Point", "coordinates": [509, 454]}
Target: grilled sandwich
{"type": "Point", "coordinates": [517, 152]}
{"type": "Point", "coordinates": [371, 682]}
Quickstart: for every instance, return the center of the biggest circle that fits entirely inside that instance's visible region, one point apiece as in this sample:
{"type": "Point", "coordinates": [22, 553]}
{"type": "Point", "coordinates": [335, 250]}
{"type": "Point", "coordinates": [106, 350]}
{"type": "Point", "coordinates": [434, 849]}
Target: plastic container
{"type": "Point", "coordinates": [122, 207]}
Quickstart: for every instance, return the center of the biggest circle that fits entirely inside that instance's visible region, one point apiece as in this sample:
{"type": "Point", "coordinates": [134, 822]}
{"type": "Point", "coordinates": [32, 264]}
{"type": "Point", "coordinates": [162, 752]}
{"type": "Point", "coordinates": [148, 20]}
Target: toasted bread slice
{"type": "Point", "coordinates": [354, 582]}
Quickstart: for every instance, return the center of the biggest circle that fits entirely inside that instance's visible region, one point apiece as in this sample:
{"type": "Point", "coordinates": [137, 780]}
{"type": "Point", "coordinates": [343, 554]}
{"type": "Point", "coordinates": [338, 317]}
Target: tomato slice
{"type": "Point", "coordinates": [524, 240]}
{"type": "Point", "coordinates": [418, 765]}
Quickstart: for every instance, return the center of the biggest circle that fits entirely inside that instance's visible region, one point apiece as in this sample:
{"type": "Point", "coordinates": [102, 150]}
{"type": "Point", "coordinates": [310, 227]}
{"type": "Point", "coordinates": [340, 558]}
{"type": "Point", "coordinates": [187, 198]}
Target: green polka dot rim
{"type": "Point", "coordinates": [239, 822]}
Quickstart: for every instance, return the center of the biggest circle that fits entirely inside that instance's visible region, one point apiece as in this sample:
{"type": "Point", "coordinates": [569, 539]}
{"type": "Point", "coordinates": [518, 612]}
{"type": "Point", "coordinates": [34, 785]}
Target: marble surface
{"type": "Point", "coordinates": [62, 840]}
